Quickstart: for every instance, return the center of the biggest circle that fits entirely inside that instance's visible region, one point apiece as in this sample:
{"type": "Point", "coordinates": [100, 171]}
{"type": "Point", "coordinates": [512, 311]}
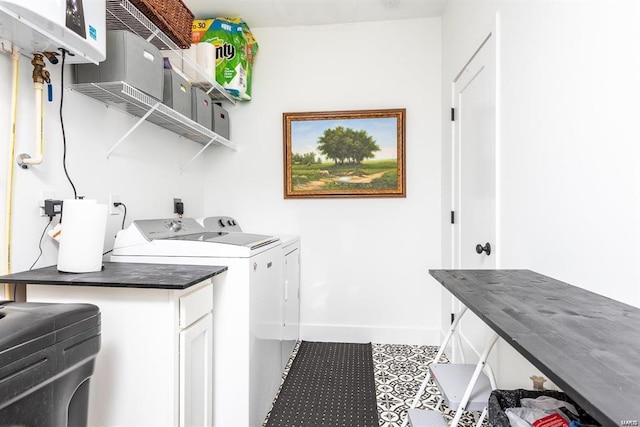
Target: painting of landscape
{"type": "Point", "coordinates": [344, 154]}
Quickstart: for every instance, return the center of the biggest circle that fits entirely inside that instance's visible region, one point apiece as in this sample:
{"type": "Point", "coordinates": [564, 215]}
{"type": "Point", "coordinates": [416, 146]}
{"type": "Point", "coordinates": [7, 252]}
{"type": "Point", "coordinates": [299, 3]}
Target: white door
{"type": "Point", "coordinates": [475, 160]}
{"type": "Point", "coordinates": [474, 178]}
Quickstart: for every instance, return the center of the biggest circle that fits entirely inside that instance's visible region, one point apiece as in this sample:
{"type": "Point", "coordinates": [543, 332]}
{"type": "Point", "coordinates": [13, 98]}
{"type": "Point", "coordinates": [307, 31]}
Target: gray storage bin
{"type": "Point", "coordinates": [201, 107]}
{"type": "Point", "coordinates": [220, 121]}
{"type": "Point", "coordinates": [130, 59]}
{"type": "Point", "coordinates": [177, 93]}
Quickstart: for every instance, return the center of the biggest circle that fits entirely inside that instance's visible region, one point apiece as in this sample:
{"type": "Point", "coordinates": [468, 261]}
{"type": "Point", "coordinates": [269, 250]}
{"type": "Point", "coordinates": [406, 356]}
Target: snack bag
{"type": "Point", "coordinates": [235, 51]}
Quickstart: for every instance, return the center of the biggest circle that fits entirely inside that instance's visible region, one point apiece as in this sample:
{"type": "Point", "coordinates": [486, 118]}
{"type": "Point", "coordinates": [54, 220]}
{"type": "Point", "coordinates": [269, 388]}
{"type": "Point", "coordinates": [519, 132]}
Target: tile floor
{"type": "Point", "coordinates": [399, 371]}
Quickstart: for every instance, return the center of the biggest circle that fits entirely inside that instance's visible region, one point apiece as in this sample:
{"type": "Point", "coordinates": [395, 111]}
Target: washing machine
{"type": "Point", "coordinates": [247, 306]}
{"type": "Point", "coordinates": [290, 292]}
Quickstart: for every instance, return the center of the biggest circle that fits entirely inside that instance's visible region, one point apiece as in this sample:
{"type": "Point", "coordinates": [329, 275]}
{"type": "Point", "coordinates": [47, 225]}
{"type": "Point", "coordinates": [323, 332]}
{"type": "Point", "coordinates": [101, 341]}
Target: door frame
{"type": "Point", "coordinates": [492, 35]}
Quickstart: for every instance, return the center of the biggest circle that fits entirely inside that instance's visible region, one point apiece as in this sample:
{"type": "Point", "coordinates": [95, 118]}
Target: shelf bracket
{"type": "Point", "coordinates": [153, 35]}
{"type": "Point", "coordinates": [134, 127]}
{"type": "Point", "coordinates": [182, 169]}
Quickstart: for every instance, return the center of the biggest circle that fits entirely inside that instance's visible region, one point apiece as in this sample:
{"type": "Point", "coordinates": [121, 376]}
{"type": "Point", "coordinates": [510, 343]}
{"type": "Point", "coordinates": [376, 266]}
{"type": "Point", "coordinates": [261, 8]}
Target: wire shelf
{"type": "Point", "coordinates": [126, 98]}
{"type": "Point", "coordinates": [123, 15]}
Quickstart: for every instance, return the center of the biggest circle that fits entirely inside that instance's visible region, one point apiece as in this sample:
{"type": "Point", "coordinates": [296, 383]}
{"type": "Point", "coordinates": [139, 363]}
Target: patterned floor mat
{"type": "Point", "coordinates": [328, 384]}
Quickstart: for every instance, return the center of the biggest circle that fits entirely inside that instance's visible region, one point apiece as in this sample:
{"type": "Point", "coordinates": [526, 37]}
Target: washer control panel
{"type": "Point", "coordinates": [153, 229]}
{"type": "Point", "coordinates": [220, 223]}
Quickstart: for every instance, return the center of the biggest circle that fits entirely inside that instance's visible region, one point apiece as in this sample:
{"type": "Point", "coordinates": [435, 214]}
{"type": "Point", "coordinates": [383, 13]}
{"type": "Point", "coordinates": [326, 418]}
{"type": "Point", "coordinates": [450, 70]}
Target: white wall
{"type": "Point", "coordinates": [364, 261]}
{"type": "Point", "coordinates": [144, 171]}
{"type": "Point", "coordinates": [569, 182]}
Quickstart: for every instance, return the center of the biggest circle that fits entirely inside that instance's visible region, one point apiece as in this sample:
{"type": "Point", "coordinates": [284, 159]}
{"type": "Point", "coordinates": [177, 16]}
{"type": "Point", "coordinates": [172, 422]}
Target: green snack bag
{"type": "Point", "coordinates": [235, 51]}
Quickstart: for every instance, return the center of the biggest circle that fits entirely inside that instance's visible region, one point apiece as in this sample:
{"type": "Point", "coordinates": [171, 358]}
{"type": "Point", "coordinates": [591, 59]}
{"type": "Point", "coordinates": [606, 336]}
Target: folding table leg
{"type": "Point", "coordinates": [474, 379]}
{"type": "Point", "coordinates": [423, 386]}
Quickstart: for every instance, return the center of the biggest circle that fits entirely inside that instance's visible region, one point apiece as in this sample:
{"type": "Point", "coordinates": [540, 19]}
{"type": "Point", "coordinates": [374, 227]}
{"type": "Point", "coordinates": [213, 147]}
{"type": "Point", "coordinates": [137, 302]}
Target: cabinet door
{"type": "Point", "coordinates": [196, 377]}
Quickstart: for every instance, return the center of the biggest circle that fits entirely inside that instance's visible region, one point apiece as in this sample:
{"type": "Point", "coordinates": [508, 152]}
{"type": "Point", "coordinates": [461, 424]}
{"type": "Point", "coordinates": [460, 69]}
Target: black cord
{"type": "Point", "coordinates": [124, 217]}
{"type": "Point", "coordinates": [39, 246]}
{"type": "Point", "coordinates": [64, 137]}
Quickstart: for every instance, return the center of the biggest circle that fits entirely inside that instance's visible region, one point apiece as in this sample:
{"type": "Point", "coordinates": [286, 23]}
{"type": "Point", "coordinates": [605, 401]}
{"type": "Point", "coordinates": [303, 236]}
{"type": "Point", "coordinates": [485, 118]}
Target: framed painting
{"type": "Point", "coordinates": [344, 154]}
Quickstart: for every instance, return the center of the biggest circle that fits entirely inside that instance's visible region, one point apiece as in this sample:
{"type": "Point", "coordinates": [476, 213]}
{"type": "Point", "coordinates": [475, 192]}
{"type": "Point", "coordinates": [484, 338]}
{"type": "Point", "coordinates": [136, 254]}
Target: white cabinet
{"type": "Point", "coordinates": [196, 364]}
{"type": "Point", "coordinates": [196, 358]}
{"type": "Point", "coordinates": [155, 362]}
{"type": "Point", "coordinates": [291, 296]}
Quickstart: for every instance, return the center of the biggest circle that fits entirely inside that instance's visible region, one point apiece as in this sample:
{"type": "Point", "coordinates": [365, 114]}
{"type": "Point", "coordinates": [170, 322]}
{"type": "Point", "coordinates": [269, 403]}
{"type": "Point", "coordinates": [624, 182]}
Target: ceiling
{"type": "Point", "coordinates": [288, 13]}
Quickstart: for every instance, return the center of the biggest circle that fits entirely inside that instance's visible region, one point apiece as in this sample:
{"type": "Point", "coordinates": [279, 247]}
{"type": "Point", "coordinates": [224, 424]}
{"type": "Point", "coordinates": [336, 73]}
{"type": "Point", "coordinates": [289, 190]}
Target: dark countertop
{"type": "Point", "coordinates": [587, 344]}
{"type": "Point", "coordinates": [121, 275]}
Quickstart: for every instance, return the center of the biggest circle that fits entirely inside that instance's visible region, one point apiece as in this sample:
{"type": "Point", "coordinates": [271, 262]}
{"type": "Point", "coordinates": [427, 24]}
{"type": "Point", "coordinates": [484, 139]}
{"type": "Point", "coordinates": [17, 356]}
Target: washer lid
{"type": "Point", "coordinates": [237, 239]}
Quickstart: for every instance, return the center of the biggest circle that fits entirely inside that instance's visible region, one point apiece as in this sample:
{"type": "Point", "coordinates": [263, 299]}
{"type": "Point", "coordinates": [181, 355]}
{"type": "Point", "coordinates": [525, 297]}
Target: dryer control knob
{"type": "Point", "coordinates": [221, 222]}
{"type": "Point", "coordinates": [175, 225]}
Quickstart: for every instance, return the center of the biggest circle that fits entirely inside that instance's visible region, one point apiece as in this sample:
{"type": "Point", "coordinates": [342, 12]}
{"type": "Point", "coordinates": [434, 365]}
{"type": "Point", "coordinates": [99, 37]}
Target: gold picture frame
{"type": "Point", "coordinates": [334, 154]}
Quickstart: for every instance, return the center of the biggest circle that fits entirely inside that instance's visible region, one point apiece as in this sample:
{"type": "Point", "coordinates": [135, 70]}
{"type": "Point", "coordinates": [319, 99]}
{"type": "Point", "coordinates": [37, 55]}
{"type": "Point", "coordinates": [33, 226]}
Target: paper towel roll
{"type": "Point", "coordinates": [191, 61]}
{"type": "Point", "coordinates": [84, 224]}
{"type": "Point", "coordinates": [206, 55]}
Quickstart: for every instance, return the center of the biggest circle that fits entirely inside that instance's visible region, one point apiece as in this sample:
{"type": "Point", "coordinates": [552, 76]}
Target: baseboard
{"type": "Point", "coordinates": [364, 334]}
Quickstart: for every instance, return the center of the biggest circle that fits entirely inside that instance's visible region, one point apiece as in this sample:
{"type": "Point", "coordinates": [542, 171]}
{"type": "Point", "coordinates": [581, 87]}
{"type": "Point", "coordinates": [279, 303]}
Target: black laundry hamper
{"type": "Point", "coordinates": [499, 400]}
{"type": "Point", "coordinates": [47, 356]}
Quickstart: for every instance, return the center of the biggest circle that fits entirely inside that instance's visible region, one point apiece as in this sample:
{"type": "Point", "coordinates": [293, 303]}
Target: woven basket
{"type": "Point", "coordinates": [171, 16]}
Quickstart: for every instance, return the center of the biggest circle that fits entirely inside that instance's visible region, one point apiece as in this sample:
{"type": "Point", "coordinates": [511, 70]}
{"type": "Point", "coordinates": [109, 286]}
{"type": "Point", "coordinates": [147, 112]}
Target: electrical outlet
{"type": "Point", "coordinates": [113, 210]}
{"type": "Point", "coordinates": [178, 206]}
{"type": "Point", "coordinates": [52, 207]}
{"type": "Point", "coordinates": [45, 195]}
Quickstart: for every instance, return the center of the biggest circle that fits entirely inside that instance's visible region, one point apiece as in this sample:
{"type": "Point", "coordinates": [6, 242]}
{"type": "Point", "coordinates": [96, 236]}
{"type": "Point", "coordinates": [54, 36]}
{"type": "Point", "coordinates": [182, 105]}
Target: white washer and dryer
{"type": "Point", "coordinates": [290, 281]}
{"type": "Point", "coordinates": [247, 307]}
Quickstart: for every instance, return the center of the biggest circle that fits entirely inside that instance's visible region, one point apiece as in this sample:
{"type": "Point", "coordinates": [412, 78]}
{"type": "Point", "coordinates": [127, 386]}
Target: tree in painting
{"type": "Point", "coordinates": [305, 159]}
{"type": "Point", "coordinates": [347, 145]}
